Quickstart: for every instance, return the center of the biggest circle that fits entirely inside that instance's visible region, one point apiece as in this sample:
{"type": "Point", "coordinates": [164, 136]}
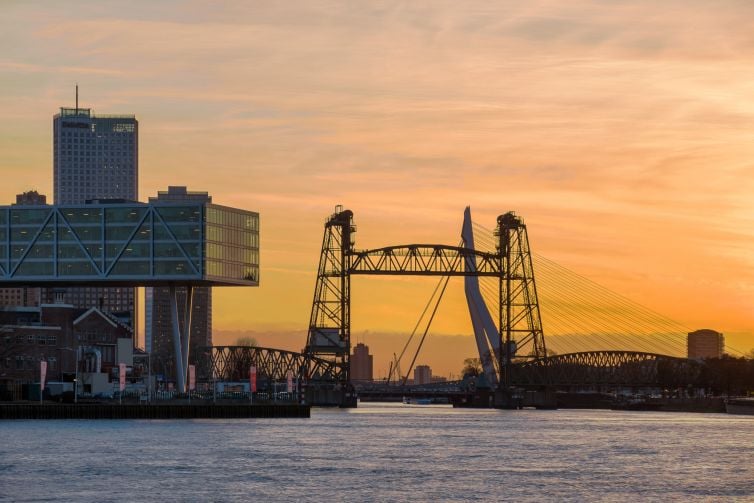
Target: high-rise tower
{"type": "Point", "coordinates": [96, 157]}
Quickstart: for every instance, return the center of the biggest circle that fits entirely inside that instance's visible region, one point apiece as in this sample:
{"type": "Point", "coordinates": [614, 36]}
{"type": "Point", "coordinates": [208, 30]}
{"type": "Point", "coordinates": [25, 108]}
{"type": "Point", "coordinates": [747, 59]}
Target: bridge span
{"type": "Point", "coordinates": [592, 370]}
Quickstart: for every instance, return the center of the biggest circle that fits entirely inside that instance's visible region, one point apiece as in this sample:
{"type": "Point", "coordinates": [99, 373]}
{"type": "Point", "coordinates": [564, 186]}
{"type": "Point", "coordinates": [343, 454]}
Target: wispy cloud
{"type": "Point", "coordinates": [619, 130]}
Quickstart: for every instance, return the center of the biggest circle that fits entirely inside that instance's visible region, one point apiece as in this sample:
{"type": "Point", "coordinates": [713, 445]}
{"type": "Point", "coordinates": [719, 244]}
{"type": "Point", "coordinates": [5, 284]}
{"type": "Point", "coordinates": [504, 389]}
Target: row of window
{"type": "Point", "coordinates": [113, 232]}
{"type": "Point", "coordinates": [233, 271]}
{"type": "Point", "coordinates": [121, 215]}
{"type": "Point", "coordinates": [234, 237]}
{"type": "Point", "coordinates": [232, 254]}
{"type": "Point", "coordinates": [40, 339]}
{"type": "Point", "coordinates": [134, 250]}
{"type": "Point", "coordinates": [128, 268]}
{"type": "Point", "coordinates": [22, 362]}
{"type": "Point", "coordinates": [230, 218]}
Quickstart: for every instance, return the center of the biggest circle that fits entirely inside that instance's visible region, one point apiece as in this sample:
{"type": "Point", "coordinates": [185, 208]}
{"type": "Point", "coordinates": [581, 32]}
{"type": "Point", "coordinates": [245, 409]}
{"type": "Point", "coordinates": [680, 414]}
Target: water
{"type": "Point", "coordinates": [385, 452]}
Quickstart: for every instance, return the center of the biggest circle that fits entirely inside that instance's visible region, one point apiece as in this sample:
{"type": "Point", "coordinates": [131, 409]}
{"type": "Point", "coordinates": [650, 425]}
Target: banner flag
{"type": "Point", "coordinates": [290, 381]}
{"type": "Point", "coordinates": [42, 374]}
{"type": "Point", "coordinates": [253, 379]}
{"type": "Point", "coordinates": [192, 377]}
{"type": "Point", "coordinates": [122, 375]}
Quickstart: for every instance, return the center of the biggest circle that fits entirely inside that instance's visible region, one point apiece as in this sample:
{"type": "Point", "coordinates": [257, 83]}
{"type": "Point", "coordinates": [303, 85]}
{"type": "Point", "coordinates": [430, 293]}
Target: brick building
{"type": "Point", "coordinates": [56, 333]}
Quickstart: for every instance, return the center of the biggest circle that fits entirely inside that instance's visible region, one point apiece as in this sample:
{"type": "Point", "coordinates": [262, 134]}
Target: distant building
{"type": "Point", "coordinates": [362, 363]}
{"type": "Point", "coordinates": [422, 374]}
{"type": "Point", "coordinates": [30, 198]}
{"type": "Point", "coordinates": [24, 297]}
{"type": "Point", "coordinates": [96, 157]}
{"type": "Point", "coordinates": [705, 343]}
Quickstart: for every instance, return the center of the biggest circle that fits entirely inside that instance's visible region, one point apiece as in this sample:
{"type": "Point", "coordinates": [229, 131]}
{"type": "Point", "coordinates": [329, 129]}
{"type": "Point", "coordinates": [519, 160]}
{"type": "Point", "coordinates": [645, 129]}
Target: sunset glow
{"type": "Point", "coordinates": [620, 131]}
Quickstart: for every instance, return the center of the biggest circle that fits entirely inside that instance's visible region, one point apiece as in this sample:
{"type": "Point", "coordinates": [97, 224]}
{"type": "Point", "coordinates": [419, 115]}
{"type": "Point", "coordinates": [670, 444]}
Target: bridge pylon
{"type": "Point", "coordinates": [329, 335]}
{"type": "Point", "coordinates": [520, 323]}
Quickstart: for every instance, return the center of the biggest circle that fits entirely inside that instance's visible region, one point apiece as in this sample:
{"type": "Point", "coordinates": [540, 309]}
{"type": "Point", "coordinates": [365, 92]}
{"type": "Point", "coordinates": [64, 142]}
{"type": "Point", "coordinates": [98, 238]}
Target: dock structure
{"type": "Point", "coordinates": [151, 411]}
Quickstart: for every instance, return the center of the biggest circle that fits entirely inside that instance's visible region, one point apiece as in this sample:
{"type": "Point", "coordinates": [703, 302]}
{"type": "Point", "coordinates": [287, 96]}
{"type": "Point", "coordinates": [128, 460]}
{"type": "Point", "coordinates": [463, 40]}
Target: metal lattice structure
{"type": "Point", "coordinates": [425, 260]}
{"type": "Point", "coordinates": [329, 325]}
{"type": "Point", "coordinates": [604, 368]}
{"type": "Point", "coordinates": [520, 323]}
{"type": "Point", "coordinates": [232, 363]}
{"type": "Point", "coordinates": [329, 335]}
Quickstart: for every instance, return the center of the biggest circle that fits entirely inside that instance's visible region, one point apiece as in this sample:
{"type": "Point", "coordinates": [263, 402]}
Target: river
{"type": "Point", "coordinates": [385, 452]}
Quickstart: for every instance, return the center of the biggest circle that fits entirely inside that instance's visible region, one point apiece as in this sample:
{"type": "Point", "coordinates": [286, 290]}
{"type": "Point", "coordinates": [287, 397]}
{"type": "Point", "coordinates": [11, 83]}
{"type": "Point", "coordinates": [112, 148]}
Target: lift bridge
{"type": "Point", "coordinates": [511, 344]}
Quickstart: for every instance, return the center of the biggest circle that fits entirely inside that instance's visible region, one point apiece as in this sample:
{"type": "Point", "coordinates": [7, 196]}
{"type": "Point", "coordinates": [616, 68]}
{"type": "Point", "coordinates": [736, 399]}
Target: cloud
{"type": "Point", "coordinates": [619, 130]}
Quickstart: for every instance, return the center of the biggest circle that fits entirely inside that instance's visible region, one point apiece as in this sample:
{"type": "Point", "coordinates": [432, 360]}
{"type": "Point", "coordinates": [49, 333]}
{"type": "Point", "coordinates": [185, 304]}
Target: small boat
{"type": "Point", "coordinates": [740, 406]}
{"type": "Point", "coordinates": [416, 401]}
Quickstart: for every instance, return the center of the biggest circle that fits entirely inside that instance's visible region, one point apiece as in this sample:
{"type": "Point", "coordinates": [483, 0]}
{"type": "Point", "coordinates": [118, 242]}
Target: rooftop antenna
{"type": "Point", "coordinates": [77, 98]}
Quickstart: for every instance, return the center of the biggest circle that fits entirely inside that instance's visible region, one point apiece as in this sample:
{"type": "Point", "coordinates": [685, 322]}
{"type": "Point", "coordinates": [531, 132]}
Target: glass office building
{"type": "Point", "coordinates": [129, 244]}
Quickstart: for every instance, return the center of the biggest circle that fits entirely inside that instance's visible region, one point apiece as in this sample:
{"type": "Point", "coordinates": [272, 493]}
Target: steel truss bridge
{"type": "Point", "coordinates": [593, 369]}
{"type": "Point", "coordinates": [232, 363]}
{"type": "Point", "coordinates": [605, 369]}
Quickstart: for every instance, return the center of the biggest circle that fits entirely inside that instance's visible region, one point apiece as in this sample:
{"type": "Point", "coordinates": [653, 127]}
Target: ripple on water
{"type": "Point", "coordinates": [384, 452]}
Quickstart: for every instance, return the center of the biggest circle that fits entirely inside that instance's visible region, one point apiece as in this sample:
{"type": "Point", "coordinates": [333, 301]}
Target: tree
{"type": "Point", "coordinates": [246, 341]}
{"type": "Point", "coordinates": [471, 367]}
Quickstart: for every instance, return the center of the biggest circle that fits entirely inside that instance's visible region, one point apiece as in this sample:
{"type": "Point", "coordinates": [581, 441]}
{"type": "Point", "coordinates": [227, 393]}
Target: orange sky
{"type": "Point", "coordinates": [620, 131]}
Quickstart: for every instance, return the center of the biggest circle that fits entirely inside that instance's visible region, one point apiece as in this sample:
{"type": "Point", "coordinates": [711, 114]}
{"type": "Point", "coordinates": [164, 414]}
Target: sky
{"type": "Point", "coordinates": [620, 131]}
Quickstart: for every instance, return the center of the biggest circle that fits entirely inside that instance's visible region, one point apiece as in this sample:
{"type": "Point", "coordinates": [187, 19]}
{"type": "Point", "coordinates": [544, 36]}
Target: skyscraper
{"type": "Point", "coordinates": [96, 157]}
{"type": "Point", "coordinates": [158, 327]}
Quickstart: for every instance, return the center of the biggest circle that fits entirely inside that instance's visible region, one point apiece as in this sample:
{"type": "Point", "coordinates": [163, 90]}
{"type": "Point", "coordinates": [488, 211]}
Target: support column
{"type": "Point", "coordinates": [180, 373]}
{"type": "Point", "coordinates": [187, 329]}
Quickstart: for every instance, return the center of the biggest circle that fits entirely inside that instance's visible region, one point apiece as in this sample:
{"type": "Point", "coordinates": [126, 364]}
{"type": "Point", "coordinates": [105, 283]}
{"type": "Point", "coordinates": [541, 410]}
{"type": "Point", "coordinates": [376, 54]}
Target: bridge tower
{"type": "Point", "coordinates": [520, 323]}
{"type": "Point", "coordinates": [329, 334]}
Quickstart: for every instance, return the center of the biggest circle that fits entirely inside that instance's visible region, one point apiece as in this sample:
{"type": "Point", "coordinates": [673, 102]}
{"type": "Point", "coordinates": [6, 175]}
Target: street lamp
{"type": "Point", "coordinates": [76, 376]}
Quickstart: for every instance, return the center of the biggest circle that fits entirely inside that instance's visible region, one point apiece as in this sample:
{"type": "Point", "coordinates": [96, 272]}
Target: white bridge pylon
{"type": "Point", "coordinates": [485, 331]}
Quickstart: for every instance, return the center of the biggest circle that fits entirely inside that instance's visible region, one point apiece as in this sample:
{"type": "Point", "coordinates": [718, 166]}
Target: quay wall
{"type": "Point", "coordinates": [151, 411]}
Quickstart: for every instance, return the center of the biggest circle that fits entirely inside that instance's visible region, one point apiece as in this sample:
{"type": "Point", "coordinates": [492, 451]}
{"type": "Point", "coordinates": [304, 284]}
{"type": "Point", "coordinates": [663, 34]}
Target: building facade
{"type": "Point", "coordinates": [96, 157]}
{"type": "Point", "coordinates": [705, 343]}
{"type": "Point", "coordinates": [25, 297]}
{"type": "Point", "coordinates": [61, 335]}
{"type": "Point", "coordinates": [362, 363]}
{"type": "Point", "coordinates": [422, 374]}
{"type": "Point", "coordinates": [158, 326]}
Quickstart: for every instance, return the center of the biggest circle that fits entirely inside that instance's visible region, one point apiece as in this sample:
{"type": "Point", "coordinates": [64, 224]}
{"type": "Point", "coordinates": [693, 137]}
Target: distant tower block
{"type": "Point", "coordinates": [96, 157]}
{"type": "Point", "coordinates": [705, 343]}
{"type": "Point", "coordinates": [422, 375]}
{"type": "Point", "coordinates": [362, 363]}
